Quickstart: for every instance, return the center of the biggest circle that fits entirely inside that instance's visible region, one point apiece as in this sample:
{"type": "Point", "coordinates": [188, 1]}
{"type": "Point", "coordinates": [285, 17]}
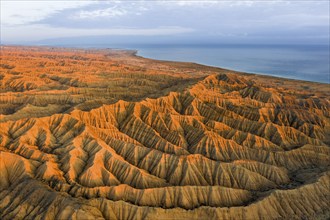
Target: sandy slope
{"type": "Point", "coordinates": [107, 135]}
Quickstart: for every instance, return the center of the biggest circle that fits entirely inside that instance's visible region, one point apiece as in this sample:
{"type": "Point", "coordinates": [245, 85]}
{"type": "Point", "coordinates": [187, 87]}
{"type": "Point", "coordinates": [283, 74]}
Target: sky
{"type": "Point", "coordinates": [180, 21]}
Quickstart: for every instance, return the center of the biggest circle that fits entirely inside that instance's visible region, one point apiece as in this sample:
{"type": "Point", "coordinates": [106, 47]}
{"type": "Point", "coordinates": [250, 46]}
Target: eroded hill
{"type": "Point", "coordinates": [102, 134]}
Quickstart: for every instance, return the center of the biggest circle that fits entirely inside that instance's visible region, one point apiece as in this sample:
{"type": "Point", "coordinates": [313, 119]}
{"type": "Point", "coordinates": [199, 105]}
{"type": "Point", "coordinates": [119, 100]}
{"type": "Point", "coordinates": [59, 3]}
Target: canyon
{"type": "Point", "coordinates": [106, 134]}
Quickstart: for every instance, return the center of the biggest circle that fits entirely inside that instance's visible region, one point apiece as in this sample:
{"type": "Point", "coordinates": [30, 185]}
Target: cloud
{"type": "Point", "coordinates": [301, 19]}
{"type": "Point", "coordinates": [15, 12]}
{"type": "Point", "coordinates": [39, 32]}
{"type": "Point", "coordinates": [207, 19]}
{"type": "Point", "coordinates": [213, 3]}
{"type": "Point", "coordinates": [100, 13]}
{"type": "Point", "coordinates": [206, 3]}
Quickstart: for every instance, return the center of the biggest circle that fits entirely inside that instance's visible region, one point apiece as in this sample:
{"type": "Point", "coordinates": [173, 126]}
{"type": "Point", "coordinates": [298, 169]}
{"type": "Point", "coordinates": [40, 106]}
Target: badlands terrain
{"type": "Point", "coordinates": [105, 134]}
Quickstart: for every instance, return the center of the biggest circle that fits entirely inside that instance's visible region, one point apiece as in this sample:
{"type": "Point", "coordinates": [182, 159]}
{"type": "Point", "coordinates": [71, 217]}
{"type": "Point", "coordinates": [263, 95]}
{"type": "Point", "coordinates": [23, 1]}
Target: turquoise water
{"type": "Point", "coordinates": [305, 62]}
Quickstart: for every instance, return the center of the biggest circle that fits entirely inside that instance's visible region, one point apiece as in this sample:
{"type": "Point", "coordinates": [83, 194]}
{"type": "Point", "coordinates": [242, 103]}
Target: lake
{"type": "Point", "coordinates": [305, 62]}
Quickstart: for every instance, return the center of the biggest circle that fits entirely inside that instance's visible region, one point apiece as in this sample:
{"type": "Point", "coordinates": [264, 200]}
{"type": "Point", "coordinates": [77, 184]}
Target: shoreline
{"type": "Point", "coordinates": [233, 70]}
{"type": "Point", "coordinates": [135, 53]}
{"type": "Point", "coordinates": [301, 64]}
{"type": "Point", "coordinates": [227, 68]}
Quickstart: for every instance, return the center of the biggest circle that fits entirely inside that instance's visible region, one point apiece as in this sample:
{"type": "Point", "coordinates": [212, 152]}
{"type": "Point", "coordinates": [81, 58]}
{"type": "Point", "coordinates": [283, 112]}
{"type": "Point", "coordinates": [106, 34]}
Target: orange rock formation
{"type": "Point", "coordinates": [103, 134]}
